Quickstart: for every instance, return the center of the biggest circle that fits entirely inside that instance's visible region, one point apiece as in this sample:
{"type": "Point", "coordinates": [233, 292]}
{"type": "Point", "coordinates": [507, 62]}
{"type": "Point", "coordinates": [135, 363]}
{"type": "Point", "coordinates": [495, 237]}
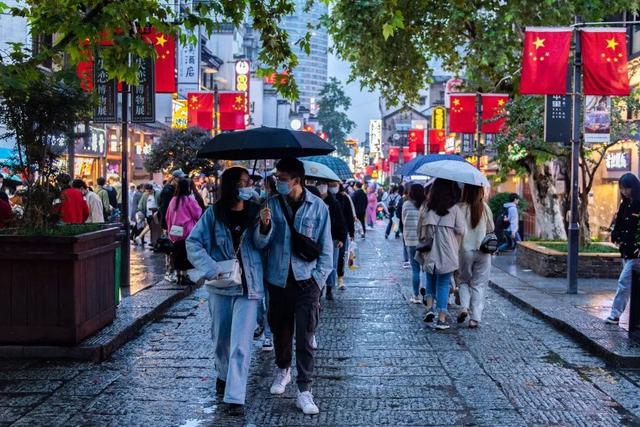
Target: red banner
{"type": "Point", "coordinates": [394, 154]}
{"type": "Point", "coordinates": [369, 170]}
{"type": "Point", "coordinates": [462, 115]}
{"type": "Point", "coordinates": [493, 106]}
{"type": "Point", "coordinates": [200, 113]}
{"type": "Point", "coordinates": [544, 61]}
{"type": "Point", "coordinates": [604, 55]}
{"type": "Point", "coordinates": [407, 155]}
{"type": "Point", "coordinates": [416, 140]}
{"type": "Point", "coordinates": [437, 140]}
{"type": "Point", "coordinates": [385, 165]}
{"type": "Point", "coordinates": [231, 107]}
{"type": "Point", "coordinates": [165, 65]}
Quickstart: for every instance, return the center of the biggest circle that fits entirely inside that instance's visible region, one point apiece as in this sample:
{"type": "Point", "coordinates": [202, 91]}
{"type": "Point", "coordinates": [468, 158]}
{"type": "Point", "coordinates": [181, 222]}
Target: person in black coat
{"type": "Point", "coordinates": [360, 202]}
{"type": "Point", "coordinates": [338, 231]}
{"type": "Point", "coordinates": [349, 220]}
{"type": "Point", "coordinates": [624, 234]}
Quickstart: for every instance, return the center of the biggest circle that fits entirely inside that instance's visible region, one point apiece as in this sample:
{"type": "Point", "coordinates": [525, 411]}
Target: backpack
{"type": "Point", "coordinates": [504, 217]}
{"type": "Point", "coordinates": [113, 197]}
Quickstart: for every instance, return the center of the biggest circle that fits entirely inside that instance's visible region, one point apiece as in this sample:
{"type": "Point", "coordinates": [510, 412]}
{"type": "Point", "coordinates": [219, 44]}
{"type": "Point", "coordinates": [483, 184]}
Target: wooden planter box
{"type": "Point", "coordinates": [551, 263]}
{"type": "Point", "coordinates": [56, 290]}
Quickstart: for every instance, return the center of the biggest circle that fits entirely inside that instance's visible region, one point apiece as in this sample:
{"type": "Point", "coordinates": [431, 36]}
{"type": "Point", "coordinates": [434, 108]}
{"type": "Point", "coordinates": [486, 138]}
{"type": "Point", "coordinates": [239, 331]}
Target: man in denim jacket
{"type": "Point", "coordinates": [294, 285]}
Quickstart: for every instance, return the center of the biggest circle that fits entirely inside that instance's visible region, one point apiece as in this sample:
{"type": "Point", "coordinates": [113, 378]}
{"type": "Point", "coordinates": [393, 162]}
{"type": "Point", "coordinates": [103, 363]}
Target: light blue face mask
{"type": "Point", "coordinates": [245, 193]}
{"type": "Point", "coordinates": [283, 188]}
{"type": "Point", "coordinates": [263, 194]}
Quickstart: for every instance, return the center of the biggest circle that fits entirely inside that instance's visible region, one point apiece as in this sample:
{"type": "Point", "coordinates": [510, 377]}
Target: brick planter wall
{"type": "Point", "coordinates": [549, 263]}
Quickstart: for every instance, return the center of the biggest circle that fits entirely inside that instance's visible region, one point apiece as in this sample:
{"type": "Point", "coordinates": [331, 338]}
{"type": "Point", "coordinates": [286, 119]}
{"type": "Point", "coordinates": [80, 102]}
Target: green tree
{"type": "Point", "coordinates": [178, 148]}
{"type": "Point", "coordinates": [332, 116]}
{"type": "Point", "coordinates": [38, 110]}
{"type": "Point", "coordinates": [79, 27]}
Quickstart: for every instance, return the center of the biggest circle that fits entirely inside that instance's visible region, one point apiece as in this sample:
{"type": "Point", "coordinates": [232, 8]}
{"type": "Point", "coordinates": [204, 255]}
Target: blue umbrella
{"type": "Point", "coordinates": [410, 168]}
{"type": "Point", "coordinates": [334, 163]}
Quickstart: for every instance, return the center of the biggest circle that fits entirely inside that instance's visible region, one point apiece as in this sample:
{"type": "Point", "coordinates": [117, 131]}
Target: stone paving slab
{"type": "Point", "coordinates": [610, 342]}
{"type": "Point", "coordinates": [377, 364]}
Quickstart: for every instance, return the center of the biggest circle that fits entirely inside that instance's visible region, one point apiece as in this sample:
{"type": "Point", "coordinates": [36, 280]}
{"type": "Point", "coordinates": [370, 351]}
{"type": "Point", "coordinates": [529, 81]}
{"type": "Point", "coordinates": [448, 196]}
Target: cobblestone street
{"type": "Point", "coordinates": [377, 364]}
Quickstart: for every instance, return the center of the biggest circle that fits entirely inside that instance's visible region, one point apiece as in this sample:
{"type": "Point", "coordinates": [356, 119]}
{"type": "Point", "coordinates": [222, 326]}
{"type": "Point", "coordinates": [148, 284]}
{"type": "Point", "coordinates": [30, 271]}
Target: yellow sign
{"type": "Point", "coordinates": [179, 114]}
{"type": "Point", "coordinates": [438, 118]}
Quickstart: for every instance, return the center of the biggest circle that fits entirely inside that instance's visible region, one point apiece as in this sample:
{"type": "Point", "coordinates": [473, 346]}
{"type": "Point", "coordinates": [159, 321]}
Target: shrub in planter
{"type": "Point", "coordinates": [57, 284]}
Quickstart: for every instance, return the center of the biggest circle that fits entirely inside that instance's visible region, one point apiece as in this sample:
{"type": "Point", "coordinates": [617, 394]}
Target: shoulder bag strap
{"type": "Point", "coordinates": [285, 211]}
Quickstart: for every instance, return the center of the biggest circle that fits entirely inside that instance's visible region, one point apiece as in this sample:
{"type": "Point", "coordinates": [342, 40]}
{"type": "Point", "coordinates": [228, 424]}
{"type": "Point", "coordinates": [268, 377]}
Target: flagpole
{"type": "Point", "coordinates": [574, 229]}
{"type": "Point", "coordinates": [478, 128]}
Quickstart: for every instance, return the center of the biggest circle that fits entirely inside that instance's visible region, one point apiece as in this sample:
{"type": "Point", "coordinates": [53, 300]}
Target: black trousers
{"type": "Point", "coordinates": [295, 308]}
{"type": "Point", "coordinates": [341, 256]}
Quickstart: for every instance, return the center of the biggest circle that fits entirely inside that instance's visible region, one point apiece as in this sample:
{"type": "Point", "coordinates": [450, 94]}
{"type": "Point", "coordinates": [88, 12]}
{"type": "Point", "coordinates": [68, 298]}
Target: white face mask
{"type": "Point", "coordinates": [322, 188]}
{"type": "Point", "coordinates": [334, 190]}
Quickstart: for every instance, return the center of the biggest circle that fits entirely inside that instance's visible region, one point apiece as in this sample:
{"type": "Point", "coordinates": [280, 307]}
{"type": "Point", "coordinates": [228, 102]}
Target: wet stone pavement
{"type": "Point", "coordinates": [377, 364]}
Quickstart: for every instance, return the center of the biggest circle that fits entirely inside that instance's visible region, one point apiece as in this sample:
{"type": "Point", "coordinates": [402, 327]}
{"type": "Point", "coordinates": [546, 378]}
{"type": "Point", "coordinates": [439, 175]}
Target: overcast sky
{"type": "Point", "coordinates": [364, 105]}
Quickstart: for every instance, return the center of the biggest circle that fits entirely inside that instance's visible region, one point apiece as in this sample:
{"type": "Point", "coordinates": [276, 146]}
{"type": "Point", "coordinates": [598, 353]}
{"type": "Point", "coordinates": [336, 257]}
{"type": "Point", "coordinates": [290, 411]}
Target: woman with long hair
{"type": "Point", "coordinates": [475, 265]}
{"type": "Point", "coordinates": [372, 205]}
{"type": "Point", "coordinates": [442, 224]}
{"type": "Point", "coordinates": [410, 215]}
{"type": "Point", "coordinates": [225, 232]}
{"type": "Point", "coordinates": [624, 235]}
{"type": "Point", "coordinates": [182, 214]}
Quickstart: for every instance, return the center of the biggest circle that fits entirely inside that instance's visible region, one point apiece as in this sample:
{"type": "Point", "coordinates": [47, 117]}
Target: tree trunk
{"type": "Point", "coordinates": [583, 219]}
{"type": "Point", "coordinates": [547, 202]}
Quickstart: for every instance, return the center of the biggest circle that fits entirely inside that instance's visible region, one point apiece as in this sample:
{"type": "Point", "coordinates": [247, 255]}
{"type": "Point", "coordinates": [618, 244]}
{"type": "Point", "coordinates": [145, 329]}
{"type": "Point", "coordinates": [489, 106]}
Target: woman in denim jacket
{"type": "Point", "coordinates": [226, 229]}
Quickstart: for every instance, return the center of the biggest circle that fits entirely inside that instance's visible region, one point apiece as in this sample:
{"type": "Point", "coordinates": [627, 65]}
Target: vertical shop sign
{"type": "Point", "coordinates": [106, 91]}
{"type": "Point", "coordinates": [557, 118]}
{"type": "Point", "coordinates": [243, 77]}
{"type": "Point", "coordinates": [143, 95]}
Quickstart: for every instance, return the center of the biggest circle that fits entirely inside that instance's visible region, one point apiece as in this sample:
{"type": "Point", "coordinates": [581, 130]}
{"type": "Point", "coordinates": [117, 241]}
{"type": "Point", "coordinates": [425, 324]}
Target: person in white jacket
{"type": "Point", "coordinates": [475, 265]}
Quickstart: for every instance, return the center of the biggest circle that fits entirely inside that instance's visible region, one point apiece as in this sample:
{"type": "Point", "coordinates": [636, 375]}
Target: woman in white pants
{"type": "Point", "coordinates": [474, 264]}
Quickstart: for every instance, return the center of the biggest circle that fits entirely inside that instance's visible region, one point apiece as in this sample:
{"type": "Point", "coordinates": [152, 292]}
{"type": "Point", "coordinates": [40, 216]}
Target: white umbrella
{"type": "Point", "coordinates": [319, 171]}
{"type": "Point", "coordinates": [455, 171]}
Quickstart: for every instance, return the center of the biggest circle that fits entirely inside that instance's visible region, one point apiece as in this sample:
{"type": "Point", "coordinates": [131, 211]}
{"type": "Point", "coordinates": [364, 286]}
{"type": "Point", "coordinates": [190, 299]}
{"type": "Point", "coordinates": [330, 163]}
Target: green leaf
{"type": "Point", "coordinates": [387, 30]}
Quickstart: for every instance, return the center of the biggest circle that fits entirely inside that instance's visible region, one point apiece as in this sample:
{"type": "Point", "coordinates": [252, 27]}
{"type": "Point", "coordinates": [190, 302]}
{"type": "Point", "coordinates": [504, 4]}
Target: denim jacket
{"type": "Point", "coordinates": [312, 220]}
{"type": "Point", "coordinates": [203, 252]}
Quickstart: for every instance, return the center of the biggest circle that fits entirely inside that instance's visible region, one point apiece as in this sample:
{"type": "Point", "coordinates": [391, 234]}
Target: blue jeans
{"type": "Point", "coordinates": [263, 319]}
{"type": "Point", "coordinates": [438, 286]}
{"type": "Point", "coordinates": [233, 320]}
{"type": "Point", "coordinates": [624, 287]}
{"type": "Point", "coordinates": [331, 280]}
{"type": "Point", "coordinates": [415, 270]}
{"type": "Point", "coordinates": [510, 243]}
{"type": "Point", "coordinates": [405, 251]}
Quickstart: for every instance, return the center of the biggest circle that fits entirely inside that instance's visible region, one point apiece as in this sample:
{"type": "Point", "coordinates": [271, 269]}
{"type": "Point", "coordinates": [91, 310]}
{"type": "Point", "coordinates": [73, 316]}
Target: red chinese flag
{"type": "Point", "coordinates": [604, 55]}
{"type": "Point", "coordinates": [394, 154]}
{"type": "Point", "coordinates": [462, 114]}
{"type": "Point", "coordinates": [407, 155]}
{"type": "Point", "coordinates": [385, 165]}
{"type": "Point", "coordinates": [200, 109]}
{"type": "Point", "coordinates": [416, 140]}
{"type": "Point", "coordinates": [165, 66]}
{"type": "Point", "coordinates": [437, 140]}
{"type": "Point", "coordinates": [231, 107]}
{"type": "Point", "coordinates": [493, 106]}
{"type": "Point", "coordinates": [544, 61]}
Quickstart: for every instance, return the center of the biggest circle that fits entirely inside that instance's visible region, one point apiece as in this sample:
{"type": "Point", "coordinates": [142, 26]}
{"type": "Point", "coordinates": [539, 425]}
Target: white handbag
{"type": "Point", "coordinates": [230, 274]}
{"type": "Point", "coordinates": [176, 231]}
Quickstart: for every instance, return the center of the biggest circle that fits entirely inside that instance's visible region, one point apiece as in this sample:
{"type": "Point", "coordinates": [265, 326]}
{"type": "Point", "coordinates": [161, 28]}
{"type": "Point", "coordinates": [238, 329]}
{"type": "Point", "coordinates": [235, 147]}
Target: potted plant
{"type": "Point", "coordinates": [57, 281]}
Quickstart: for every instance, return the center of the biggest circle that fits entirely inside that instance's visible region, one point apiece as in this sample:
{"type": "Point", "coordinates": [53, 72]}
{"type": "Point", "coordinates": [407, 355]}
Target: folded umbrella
{"type": "Point", "coordinates": [319, 171]}
{"type": "Point", "coordinates": [336, 164]}
{"type": "Point", "coordinates": [264, 143]}
{"type": "Point", "coordinates": [411, 167]}
{"type": "Point", "coordinates": [453, 170]}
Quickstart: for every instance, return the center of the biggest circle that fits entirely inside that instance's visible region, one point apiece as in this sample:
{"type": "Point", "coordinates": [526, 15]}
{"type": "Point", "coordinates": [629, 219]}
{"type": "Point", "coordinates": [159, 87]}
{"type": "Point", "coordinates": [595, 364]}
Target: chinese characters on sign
{"type": "Point", "coordinates": [188, 66]}
{"type": "Point", "coordinates": [243, 76]}
{"type": "Point", "coordinates": [618, 161]}
{"type": "Point", "coordinates": [179, 114]}
{"type": "Point", "coordinates": [375, 136]}
{"type": "Point", "coordinates": [438, 118]}
{"type": "Point", "coordinates": [557, 118]}
{"type": "Point", "coordinates": [106, 92]}
{"type": "Point", "coordinates": [467, 143]}
{"type": "Point", "coordinates": [143, 95]}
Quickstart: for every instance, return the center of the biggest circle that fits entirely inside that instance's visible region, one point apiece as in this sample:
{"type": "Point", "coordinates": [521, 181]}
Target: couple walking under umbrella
{"type": "Point", "coordinates": [284, 248]}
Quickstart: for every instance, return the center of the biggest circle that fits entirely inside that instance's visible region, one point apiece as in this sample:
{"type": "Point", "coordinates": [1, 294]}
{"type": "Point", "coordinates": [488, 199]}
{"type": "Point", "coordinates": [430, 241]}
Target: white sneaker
{"type": "Point", "coordinates": [138, 241]}
{"type": "Point", "coordinates": [305, 402]}
{"type": "Point", "coordinates": [314, 343]}
{"type": "Point", "coordinates": [267, 344]}
{"type": "Point", "coordinates": [283, 377]}
{"type": "Point", "coordinates": [406, 265]}
{"type": "Point", "coordinates": [414, 300]}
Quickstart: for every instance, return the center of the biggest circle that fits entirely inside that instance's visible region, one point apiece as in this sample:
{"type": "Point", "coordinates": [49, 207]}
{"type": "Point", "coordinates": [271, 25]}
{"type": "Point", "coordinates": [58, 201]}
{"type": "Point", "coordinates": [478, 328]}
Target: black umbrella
{"type": "Point", "coordinates": [264, 143]}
